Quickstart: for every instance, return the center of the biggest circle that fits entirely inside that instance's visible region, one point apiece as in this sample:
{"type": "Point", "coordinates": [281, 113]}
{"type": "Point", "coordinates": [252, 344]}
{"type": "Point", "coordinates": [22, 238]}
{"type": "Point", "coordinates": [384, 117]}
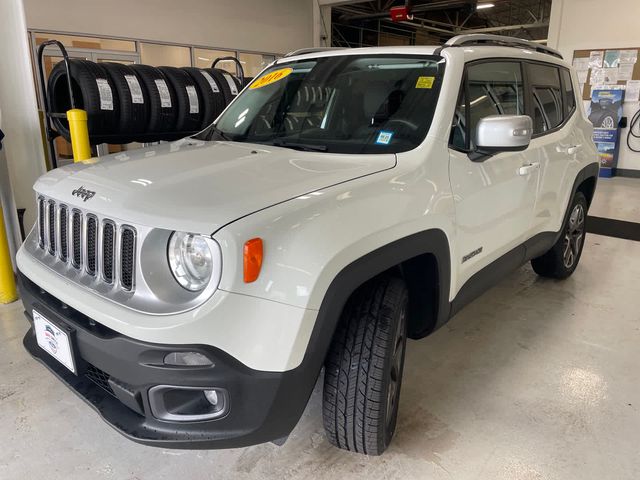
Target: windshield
{"type": "Point", "coordinates": [344, 104]}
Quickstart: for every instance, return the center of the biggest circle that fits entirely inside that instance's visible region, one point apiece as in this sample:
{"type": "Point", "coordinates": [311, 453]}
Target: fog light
{"type": "Point", "coordinates": [187, 359]}
{"type": "Point", "coordinates": [211, 396]}
{"type": "Point", "coordinates": [188, 404]}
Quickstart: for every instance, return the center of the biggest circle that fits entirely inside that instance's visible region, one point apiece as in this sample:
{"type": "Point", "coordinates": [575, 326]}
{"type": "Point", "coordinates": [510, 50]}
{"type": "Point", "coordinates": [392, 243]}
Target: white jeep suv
{"type": "Point", "coordinates": [347, 200]}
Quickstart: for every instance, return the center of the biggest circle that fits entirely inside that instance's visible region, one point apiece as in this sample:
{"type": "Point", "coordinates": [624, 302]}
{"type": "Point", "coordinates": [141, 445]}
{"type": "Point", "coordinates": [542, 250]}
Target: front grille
{"type": "Point", "coordinates": [64, 227]}
{"type": "Point", "coordinates": [127, 255]}
{"type": "Point", "coordinates": [92, 244]}
{"type": "Point", "coordinates": [108, 249]}
{"type": "Point", "coordinates": [99, 377]}
{"type": "Point", "coordinates": [76, 222]}
{"type": "Point", "coordinates": [41, 222]}
{"type": "Point", "coordinates": [88, 243]}
{"type": "Point", "coordinates": [51, 207]}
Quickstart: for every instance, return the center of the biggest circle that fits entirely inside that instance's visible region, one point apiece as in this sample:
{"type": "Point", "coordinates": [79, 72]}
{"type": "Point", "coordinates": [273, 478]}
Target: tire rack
{"type": "Point", "coordinates": [52, 133]}
{"type": "Point", "coordinates": [238, 63]}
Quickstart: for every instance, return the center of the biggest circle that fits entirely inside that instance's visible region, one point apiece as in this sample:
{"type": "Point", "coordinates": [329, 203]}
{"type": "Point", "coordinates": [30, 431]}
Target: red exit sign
{"type": "Point", "coordinates": [400, 14]}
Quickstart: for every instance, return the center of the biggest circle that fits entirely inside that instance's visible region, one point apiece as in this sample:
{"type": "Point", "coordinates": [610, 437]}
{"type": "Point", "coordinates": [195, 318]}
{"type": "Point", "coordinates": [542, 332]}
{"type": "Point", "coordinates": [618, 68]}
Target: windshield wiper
{"type": "Point", "coordinates": [213, 130]}
{"type": "Point", "coordinates": [305, 147]}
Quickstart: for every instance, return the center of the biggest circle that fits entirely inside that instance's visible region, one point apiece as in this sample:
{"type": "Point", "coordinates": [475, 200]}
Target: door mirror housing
{"type": "Point", "coordinates": [502, 133]}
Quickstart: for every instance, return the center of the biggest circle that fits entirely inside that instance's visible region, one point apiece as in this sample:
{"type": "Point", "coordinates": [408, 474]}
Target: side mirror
{"type": "Point", "coordinates": [502, 133]}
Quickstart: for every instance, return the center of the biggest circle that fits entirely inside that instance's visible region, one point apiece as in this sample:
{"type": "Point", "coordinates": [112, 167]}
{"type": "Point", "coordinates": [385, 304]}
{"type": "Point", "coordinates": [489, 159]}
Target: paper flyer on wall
{"type": "Point", "coordinates": [625, 71]}
{"type": "Point", "coordinates": [632, 93]}
{"type": "Point", "coordinates": [581, 64]}
{"type": "Point", "coordinates": [628, 56]}
{"type": "Point", "coordinates": [610, 76]}
{"type": "Point", "coordinates": [611, 58]}
{"type": "Point", "coordinates": [596, 58]}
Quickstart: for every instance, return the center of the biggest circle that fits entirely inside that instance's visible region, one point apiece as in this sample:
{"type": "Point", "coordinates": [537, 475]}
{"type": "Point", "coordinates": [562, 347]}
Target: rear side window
{"type": "Point", "coordinates": [569, 95]}
{"type": "Point", "coordinates": [547, 97]}
{"type": "Point", "coordinates": [491, 88]}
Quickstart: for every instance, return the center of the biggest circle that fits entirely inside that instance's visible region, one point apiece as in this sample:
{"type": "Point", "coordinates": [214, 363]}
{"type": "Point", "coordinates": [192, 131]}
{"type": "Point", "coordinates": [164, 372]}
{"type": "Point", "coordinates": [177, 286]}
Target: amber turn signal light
{"type": "Point", "coordinates": [252, 259]}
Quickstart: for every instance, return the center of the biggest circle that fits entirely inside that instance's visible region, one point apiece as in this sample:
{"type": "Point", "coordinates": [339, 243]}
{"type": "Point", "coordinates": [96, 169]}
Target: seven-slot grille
{"type": "Point", "coordinates": [93, 246]}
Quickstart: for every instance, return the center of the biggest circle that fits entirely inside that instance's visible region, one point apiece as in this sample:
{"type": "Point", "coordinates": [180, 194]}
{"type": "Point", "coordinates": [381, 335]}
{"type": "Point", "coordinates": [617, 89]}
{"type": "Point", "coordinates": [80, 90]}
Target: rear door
{"type": "Point", "coordinates": [553, 107]}
{"type": "Point", "coordinates": [494, 200]}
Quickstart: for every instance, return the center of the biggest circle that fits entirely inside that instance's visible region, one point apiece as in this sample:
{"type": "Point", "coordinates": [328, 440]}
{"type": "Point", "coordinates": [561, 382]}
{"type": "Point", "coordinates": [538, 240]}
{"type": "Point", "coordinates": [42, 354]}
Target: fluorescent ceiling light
{"type": "Point", "coordinates": [480, 6]}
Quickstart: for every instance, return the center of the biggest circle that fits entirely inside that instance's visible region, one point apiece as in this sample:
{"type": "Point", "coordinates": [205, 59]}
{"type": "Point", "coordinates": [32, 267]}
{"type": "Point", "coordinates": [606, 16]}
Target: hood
{"type": "Point", "coordinates": [197, 186]}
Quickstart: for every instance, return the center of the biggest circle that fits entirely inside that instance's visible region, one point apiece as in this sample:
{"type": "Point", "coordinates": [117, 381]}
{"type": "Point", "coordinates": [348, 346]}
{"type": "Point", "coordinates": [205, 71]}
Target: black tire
{"type": "Point", "coordinates": [225, 79]}
{"type": "Point", "coordinates": [213, 101]}
{"type": "Point", "coordinates": [562, 259]}
{"type": "Point", "coordinates": [189, 106]}
{"type": "Point", "coordinates": [134, 102]}
{"type": "Point", "coordinates": [161, 118]}
{"type": "Point", "coordinates": [363, 370]}
{"type": "Point", "coordinates": [102, 112]}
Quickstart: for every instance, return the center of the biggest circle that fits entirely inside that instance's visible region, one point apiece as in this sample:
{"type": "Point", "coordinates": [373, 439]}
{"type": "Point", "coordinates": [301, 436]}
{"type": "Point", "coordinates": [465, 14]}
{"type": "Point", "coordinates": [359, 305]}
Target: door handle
{"type": "Point", "coordinates": [527, 169]}
{"type": "Point", "coordinates": [573, 149]}
{"type": "Point", "coordinates": [570, 150]}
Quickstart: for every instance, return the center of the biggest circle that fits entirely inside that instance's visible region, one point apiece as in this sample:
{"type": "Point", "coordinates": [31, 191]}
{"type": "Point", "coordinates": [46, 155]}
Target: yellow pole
{"type": "Point", "coordinates": [8, 291]}
{"type": "Point", "coordinates": [79, 134]}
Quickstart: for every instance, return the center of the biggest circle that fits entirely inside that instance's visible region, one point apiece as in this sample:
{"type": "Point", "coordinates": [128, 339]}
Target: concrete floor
{"type": "Point", "coordinates": [617, 198]}
{"type": "Point", "coordinates": [537, 379]}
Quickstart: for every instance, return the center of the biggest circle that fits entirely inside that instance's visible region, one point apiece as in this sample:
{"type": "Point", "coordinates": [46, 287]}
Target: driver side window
{"type": "Point", "coordinates": [491, 88]}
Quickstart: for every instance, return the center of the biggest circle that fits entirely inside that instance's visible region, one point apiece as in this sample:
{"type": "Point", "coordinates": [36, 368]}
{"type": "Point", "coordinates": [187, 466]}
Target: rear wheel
{"type": "Point", "coordinates": [363, 371]}
{"type": "Point", "coordinates": [562, 259]}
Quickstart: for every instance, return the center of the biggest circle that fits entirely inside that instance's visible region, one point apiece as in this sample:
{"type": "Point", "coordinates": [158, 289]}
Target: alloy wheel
{"type": "Point", "coordinates": [573, 236]}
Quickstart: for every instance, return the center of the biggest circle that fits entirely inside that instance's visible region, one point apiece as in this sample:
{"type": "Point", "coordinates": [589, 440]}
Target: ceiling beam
{"type": "Point", "coordinates": [504, 28]}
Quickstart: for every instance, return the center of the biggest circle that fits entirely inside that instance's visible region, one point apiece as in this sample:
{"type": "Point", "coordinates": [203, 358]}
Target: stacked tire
{"type": "Point", "coordinates": [139, 103]}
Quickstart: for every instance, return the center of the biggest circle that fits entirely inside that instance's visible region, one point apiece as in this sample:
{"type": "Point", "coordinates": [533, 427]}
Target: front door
{"type": "Point", "coordinates": [495, 197]}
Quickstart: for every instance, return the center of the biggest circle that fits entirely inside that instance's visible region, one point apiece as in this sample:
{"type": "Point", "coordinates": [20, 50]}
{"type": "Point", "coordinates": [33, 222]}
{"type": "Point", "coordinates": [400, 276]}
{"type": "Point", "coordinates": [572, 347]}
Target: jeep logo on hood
{"type": "Point", "coordinates": [83, 193]}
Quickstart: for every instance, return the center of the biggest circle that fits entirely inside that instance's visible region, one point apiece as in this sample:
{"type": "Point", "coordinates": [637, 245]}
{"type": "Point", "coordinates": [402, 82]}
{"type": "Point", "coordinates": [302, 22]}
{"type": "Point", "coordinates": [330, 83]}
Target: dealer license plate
{"type": "Point", "coordinates": [54, 341]}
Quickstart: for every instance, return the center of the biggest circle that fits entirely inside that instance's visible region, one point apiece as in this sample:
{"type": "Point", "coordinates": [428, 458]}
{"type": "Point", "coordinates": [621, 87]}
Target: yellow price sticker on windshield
{"type": "Point", "coordinates": [271, 77]}
{"type": "Point", "coordinates": [425, 82]}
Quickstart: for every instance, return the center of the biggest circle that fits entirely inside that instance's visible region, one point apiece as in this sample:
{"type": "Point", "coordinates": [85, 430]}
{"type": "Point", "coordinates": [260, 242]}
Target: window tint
{"type": "Point", "coordinates": [569, 95]}
{"type": "Point", "coordinates": [495, 88]}
{"type": "Point", "coordinates": [547, 99]}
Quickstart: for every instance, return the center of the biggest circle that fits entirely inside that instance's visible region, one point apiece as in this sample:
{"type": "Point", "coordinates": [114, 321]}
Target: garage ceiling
{"type": "Point", "coordinates": [368, 23]}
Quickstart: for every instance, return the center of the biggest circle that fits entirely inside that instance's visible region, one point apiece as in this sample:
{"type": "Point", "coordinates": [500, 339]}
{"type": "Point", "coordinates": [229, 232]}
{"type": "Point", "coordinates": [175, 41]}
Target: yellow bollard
{"type": "Point", "coordinates": [8, 291]}
{"type": "Point", "coordinates": [79, 134]}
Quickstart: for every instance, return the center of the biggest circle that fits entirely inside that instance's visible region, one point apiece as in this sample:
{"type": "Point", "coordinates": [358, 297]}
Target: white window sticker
{"type": "Point", "coordinates": [212, 82]}
{"type": "Point", "coordinates": [134, 88]}
{"type": "Point", "coordinates": [194, 107]}
{"type": "Point", "coordinates": [105, 93]}
{"type": "Point", "coordinates": [163, 90]}
{"type": "Point", "coordinates": [232, 84]}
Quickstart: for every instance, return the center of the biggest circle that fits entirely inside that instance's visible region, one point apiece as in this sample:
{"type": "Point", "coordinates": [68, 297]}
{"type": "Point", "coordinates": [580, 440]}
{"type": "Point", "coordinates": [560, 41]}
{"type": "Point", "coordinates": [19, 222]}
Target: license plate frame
{"type": "Point", "coordinates": [56, 339]}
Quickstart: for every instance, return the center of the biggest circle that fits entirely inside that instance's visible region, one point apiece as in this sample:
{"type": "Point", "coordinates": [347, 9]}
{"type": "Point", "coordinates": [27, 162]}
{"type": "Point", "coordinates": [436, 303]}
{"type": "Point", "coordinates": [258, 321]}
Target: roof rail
{"type": "Point", "coordinates": [302, 51]}
{"type": "Point", "coordinates": [482, 39]}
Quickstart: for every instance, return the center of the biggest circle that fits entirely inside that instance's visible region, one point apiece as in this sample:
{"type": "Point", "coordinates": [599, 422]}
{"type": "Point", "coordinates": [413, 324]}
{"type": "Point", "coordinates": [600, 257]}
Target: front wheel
{"type": "Point", "coordinates": [562, 259]}
{"type": "Point", "coordinates": [363, 370]}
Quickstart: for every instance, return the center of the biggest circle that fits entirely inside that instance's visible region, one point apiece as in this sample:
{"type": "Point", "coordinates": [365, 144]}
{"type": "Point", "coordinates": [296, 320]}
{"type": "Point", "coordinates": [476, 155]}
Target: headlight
{"type": "Point", "coordinates": [191, 260]}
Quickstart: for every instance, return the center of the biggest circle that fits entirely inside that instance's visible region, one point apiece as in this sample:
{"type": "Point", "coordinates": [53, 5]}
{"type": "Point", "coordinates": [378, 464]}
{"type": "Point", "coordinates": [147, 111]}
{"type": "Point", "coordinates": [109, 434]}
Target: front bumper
{"type": "Point", "coordinates": [115, 374]}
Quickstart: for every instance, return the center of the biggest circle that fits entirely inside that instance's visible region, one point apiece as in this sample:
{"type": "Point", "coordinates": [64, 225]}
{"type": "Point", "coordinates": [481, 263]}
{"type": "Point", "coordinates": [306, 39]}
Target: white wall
{"type": "Point", "coordinates": [596, 25]}
{"type": "Point", "coordinates": [274, 26]}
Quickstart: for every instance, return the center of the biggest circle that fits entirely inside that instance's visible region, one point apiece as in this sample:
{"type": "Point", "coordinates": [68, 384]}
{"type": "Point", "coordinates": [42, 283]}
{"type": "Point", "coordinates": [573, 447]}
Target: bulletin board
{"type": "Point", "coordinates": [619, 66]}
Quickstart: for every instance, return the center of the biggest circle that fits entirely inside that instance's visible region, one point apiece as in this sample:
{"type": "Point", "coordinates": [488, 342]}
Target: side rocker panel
{"type": "Point", "coordinates": [534, 247]}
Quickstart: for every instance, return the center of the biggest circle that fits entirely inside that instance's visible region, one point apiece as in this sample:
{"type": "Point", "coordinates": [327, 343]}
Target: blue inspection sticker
{"type": "Point", "coordinates": [384, 138]}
